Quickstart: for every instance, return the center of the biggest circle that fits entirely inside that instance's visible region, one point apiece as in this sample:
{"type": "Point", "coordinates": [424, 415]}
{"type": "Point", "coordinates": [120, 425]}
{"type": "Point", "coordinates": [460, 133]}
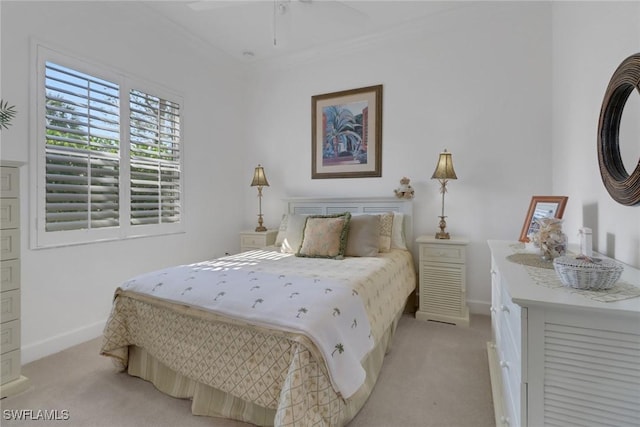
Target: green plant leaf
{"type": "Point", "coordinates": [7, 113]}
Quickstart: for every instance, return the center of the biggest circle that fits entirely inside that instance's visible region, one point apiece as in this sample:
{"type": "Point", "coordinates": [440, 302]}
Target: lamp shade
{"type": "Point", "coordinates": [444, 168]}
{"type": "Point", "coordinates": [259, 178]}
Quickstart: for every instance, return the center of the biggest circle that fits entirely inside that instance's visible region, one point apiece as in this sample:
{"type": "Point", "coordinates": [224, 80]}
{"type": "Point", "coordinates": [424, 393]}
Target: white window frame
{"type": "Point", "coordinates": [39, 237]}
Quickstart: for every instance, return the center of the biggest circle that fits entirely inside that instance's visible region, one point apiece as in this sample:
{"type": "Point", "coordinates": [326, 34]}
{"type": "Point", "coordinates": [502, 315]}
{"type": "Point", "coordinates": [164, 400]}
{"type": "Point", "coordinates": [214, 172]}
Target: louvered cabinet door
{"type": "Point", "coordinates": [585, 369]}
{"type": "Point", "coordinates": [442, 293]}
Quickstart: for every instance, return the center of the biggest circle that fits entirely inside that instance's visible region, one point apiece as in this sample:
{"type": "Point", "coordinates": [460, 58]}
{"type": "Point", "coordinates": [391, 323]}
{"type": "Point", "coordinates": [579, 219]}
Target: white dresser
{"type": "Point", "coordinates": [559, 358]}
{"type": "Point", "coordinates": [11, 381]}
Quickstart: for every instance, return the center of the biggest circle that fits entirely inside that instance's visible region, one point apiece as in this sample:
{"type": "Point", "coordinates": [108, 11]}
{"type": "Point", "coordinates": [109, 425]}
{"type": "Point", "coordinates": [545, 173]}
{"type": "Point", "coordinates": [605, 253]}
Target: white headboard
{"type": "Point", "coordinates": [333, 205]}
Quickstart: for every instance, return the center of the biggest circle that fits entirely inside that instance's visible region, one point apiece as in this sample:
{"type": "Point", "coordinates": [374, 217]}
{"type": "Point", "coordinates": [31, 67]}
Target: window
{"type": "Point", "coordinates": [108, 155]}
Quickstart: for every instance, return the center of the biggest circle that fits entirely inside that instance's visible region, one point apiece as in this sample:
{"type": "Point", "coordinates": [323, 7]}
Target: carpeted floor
{"type": "Point", "coordinates": [435, 375]}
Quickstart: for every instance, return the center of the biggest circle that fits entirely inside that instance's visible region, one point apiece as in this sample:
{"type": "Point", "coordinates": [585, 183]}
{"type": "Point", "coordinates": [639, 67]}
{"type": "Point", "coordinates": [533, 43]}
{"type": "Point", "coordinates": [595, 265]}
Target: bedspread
{"type": "Point", "coordinates": [328, 312]}
{"type": "Point", "coordinates": [280, 370]}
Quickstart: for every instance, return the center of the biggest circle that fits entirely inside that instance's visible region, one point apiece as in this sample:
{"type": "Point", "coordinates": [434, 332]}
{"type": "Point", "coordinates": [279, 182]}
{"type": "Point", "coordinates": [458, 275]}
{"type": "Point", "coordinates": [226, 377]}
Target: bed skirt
{"type": "Point", "coordinates": [209, 401]}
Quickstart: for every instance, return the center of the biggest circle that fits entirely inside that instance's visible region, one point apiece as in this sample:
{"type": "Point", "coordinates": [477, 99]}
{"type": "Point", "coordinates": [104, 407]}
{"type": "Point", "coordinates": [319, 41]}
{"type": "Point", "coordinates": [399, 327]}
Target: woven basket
{"type": "Point", "coordinates": [594, 274]}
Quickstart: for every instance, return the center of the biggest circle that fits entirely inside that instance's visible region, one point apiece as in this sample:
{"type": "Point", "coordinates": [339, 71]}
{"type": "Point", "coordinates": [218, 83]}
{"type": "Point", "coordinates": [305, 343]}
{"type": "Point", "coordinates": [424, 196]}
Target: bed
{"type": "Point", "coordinates": [289, 335]}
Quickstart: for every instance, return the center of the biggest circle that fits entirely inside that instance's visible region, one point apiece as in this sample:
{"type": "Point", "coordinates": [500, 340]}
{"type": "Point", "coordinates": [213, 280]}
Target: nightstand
{"type": "Point", "coordinates": [250, 240]}
{"type": "Point", "coordinates": [443, 287]}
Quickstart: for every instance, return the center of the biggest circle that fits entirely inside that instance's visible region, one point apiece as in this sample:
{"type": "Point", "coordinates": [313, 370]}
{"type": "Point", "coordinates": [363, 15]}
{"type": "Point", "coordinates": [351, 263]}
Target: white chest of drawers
{"type": "Point", "coordinates": [11, 381]}
{"type": "Point", "coordinates": [558, 357]}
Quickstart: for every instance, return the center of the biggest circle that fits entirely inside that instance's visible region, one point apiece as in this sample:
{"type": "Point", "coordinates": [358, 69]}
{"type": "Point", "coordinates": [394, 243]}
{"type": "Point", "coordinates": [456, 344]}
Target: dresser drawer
{"type": "Point", "coordinates": [9, 366]}
{"type": "Point", "coordinates": [9, 336]}
{"type": "Point", "coordinates": [442, 253]}
{"type": "Point", "coordinates": [510, 368]}
{"type": "Point", "coordinates": [9, 178]}
{"type": "Point", "coordinates": [9, 213]}
{"type": "Point", "coordinates": [9, 275]}
{"type": "Point", "coordinates": [510, 318]}
{"type": "Point", "coordinates": [9, 305]}
{"type": "Point", "coordinates": [9, 244]}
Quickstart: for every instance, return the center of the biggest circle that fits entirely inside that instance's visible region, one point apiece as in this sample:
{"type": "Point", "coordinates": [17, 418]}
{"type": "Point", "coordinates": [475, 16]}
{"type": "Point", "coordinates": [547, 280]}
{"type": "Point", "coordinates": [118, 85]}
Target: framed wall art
{"type": "Point", "coordinates": [542, 207]}
{"type": "Point", "coordinates": [346, 134]}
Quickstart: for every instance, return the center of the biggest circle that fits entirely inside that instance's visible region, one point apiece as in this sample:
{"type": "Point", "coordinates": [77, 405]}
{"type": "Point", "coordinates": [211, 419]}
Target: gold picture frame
{"type": "Point", "coordinates": [346, 134]}
{"type": "Point", "coordinates": [541, 207]}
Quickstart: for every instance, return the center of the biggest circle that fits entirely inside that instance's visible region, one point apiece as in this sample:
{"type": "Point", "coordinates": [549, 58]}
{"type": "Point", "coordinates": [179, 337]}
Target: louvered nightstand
{"type": "Point", "coordinates": [443, 287]}
{"type": "Point", "coordinates": [250, 240]}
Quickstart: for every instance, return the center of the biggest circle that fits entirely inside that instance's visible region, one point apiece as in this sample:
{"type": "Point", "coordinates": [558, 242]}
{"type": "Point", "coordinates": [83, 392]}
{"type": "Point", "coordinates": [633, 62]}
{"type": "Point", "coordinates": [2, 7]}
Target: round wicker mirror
{"type": "Point", "coordinates": [624, 187]}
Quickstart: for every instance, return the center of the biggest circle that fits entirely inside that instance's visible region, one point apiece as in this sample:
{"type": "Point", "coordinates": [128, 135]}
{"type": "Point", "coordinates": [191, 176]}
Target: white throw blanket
{"type": "Point", "coordinates": [330, 313]}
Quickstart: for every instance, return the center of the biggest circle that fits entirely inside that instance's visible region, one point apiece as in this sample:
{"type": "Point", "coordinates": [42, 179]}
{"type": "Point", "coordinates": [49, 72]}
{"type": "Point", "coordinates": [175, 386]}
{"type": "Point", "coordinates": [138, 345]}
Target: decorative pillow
{"type": "Point", "coordinates": [325, 236]}
{"type": "Point", "coordinates": [398, 240]}
{"type": "Point", "coordinates": [293, 236]}
{"type": "Point", "coordinates": [364, 235]}
{"type": "Point", "coordinates": [386, 227]}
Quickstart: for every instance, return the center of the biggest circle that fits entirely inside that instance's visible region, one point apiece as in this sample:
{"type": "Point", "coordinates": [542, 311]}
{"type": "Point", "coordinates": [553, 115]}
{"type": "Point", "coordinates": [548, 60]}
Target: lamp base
{"type": "Point", "coordinates": [260, 227]}
{"type": "Point", "coordinates": [442, 234]}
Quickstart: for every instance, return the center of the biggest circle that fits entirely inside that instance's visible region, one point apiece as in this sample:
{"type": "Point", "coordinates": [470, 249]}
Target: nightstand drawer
{"type": "Point", "coordinates": [250, 240]}
{"type": "Point", "coordinates": [253, 241]}
{"type": "Point", "coordinates": [442, 253]}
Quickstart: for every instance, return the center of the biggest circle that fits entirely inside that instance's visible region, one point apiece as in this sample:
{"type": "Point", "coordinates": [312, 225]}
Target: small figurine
{"type": "Point", "coordinates": [405, 191]}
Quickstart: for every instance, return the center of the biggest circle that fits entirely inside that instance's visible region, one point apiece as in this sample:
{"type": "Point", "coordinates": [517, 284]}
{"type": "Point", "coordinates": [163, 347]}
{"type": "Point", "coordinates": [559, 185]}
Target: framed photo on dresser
{"type": "Point", "coordinates": [542, 207]}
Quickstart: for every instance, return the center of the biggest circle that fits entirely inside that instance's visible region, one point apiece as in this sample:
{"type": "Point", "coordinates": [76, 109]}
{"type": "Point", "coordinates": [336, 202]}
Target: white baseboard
{"type": "Point", "coordinates": [479, 307]}
{"type": "Point", "coordinates": [61, 342]}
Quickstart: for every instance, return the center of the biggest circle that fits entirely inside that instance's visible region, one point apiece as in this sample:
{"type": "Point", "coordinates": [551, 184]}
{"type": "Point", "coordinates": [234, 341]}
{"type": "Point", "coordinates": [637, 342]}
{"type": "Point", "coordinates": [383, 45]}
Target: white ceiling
{"type": "Point", "coordinates": [264, 29]}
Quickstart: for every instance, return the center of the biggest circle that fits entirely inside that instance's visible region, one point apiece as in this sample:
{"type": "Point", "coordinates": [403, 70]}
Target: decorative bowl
{"type": "Point", "coordinates": [587, 273]}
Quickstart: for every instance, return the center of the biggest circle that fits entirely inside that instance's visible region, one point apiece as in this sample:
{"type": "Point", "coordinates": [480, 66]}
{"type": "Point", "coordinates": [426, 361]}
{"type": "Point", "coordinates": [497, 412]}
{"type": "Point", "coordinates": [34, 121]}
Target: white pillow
{"type": "Point", "coordinates": [398, 240]}
{"type": "Point", "coordinates": [292, 238]}
{"type": "Point", "coordinates": [282, 230]}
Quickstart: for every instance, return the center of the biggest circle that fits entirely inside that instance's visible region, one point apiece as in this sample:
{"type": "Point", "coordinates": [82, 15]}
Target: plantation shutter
{"type": "Point", "coordinates": [155, 159]}
{"type": "Point", "coordinates": [82, 150]}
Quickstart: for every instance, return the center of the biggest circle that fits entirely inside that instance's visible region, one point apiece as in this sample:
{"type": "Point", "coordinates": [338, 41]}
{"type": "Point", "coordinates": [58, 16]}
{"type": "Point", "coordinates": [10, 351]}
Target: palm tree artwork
{"type": "Point", "coordinates": [343, 135]}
